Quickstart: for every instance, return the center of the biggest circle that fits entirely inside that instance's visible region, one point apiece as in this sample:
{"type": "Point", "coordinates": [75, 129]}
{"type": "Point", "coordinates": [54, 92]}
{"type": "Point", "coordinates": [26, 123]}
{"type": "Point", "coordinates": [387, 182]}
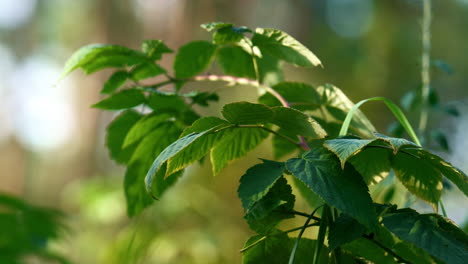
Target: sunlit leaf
{"type": "Point", "coordinates": [345, 148]}
{"type": "Point", "coordinates": [146, 70]}
{"type": "Point", "coordinates": [154, 49]}
{"type": "Point", "coordinates": [143, 127]}
{"type": "Point", "coordinates": [244, 113]}
{"type": "Point", "coordinates": [115, 81]}
{"type": "Point", "coordinates": [297, 122]}
{"type": "Point", "coordinates": [122, 100]}
{"type": "Point", "coordinates": [373, 164]}
{"type": "Point", "coordinates": [193, 58]}
{"type": "Point", "coordinates": [299, 95]}
{"type": "Point", "coordinates": [236, 61]}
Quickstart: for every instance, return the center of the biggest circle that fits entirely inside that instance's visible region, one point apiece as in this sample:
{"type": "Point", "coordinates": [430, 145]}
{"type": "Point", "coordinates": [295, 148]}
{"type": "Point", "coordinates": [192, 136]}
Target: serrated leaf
{"type": "Point", "coordinates": [145, 71]}
{"type": "Point", "coordinates": [299, 95]}
{"type": "Point", "coordinates": [117, 131]}
{"type": "Point", "coordinates": [143, 127]}
{"type": "Point", "coordinates": [283, 46]}
{"type": "Point", "coordinates": [345, 148]}
{"type": "Point", "coordinates": [265, 213]}
{"type": "Point", "coordinates": [373, 164]}
{"type": "Point", "coordinates": [122, 100]}
{"type": "Point", "coordinates": [200, 147]}
{"type": "Point", "coordinates": [227, 35]}
{"type": "Point", "coordinates": [297, 122]}
{"type": "Point", "coordinates": [245, 113]}
{"type": "Point", "coordinates": [344, 230]}
{"type": "Point", "coordinates": [281, 146]}
{"type": "Point", "coordinates": [235, 143]}
{"type": "Point", "coordinates": [369, 251]}
{"type": "Point", "coordinates": [215, 26]}
{"type": "Point", "coordinates": [338, 105]}
{"type": "Point", "coordinates": [418, 176]}
{"type": "Point", "coordinates": [431, 232]}
{"type": "Point", "coordinates": [154, 49]}
{"type": "Point", "coordinates": [397, 143]}
{"type": "Point", "coordinates": [193, 58]}
{"type": "Point", "coordinates": [115, 81]}
{"type": "Point", "coordinates": [257, 181]}
{"type": "Point", "coordinates": [236, 62]}
{"type": "Point", "coordinates": [170, 103]}
{"type": "Point", "coordinates": [95, 57]}
{"type": "Point", "coordinates": [320, 170]}
{"type": "Point", "coordinates": [168, 153]}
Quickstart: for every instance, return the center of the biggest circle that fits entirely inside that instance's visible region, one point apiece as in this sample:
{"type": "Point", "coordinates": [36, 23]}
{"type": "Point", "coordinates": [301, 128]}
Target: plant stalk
{"type": "Point", "coordinates": [425, 66]}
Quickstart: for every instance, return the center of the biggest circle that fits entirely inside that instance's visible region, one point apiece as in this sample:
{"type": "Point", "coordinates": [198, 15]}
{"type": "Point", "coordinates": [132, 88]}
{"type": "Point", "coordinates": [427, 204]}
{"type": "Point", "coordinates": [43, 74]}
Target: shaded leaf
{"type": "Point", "coordinates": [373, 164]}
{"type": "Point", "coordinates": [116, 133]}
{"type": "Point", "coordinates": [299, 95]}
{"type": "Point", "coordinates": [344, 230]}
{"type": "Point", "coordinates": [170, 103]}
{"type": "Point", "coordinates": [369, 251]}
{"type": "Point", "coordinates": [115, 81]}
{"type": "Point", "coordinates": [145, 71]}
{"type": "Point", "coordinates": [235, 143]}
{"type": "Point", "coordinates": [235, 61]}
{"type": "Point", "coordinates": [122, 100]}
{"type": "Point", "coordinates": [229, 34]}
{"type": "Point", "coordinates": [320, 170]}
{"type": "Point", "coordinates": [281, 45]}
{"type": "Point", "coordinates": [193, 58]}
{"type": "Point", "coordinates": [154, 49]}
{"type": "Point", "coordinates": [281, 146]}
{"type": "Point", "coordinates": [143, 127]}
{"type": "Point", "coordinates": [297, 122]}
{"type": "Point", "coordinates": [245, 113]}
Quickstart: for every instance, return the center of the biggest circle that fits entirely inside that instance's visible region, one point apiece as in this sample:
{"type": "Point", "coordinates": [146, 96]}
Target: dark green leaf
{"type": "Point", "coordinates": [203, 99]}
{"type": "Point", "coordinates": [235, 143]}
{"type": "Point", "coordinates": [283, 46]}
{"type": "Point", "coordinates": [116, 133]}
{"type": "Point", "coordinates": [431, 232]}
{"type": "Point", "coordinates": [227, 35]}
{"type": "Point", "coordinates": [170, 103]}
{"type": "Point", "coordinates": [258, 180]}
{"type": "Point", "coordinates": [369, 251]}
{"type": "Point", "coordinates": [95, 57]}
{"type": "Point", "coordinates": [373, 164]}
{"type": "Point", "coordinates": [281, 146]}
{"type": "Point", "coordinates": [122, 100]}
{"type": "Point", "coordinates": [344, 230]}
{"type": "Point", "coordinates": [397, 143]}
{"type": "Point", "coordinates": [143, 127]}
{"type": "Point", "coordinates": [265, 213]}
{"type": "Point", "coordinates": [193, 58]}
{"type": "Point", "coordinates": [236, 61]}
{"type": "Point", "coordinates": [297, 122]}
{"type": "Point", "coordinates": [200, 147]}
{"type": "Point", "coordinates": [345, 148]}
{"type": "Point", "coordinates": [116, 80]}
{"type": "Point", "coordinates": [320, 170]}
{"type": "Point", "coordinates": [245, 113]}
{"type": "Point", "coordinates": [145, 71]}
{"type": "Point", "coordinates": [154, 49]}
{"type": "Point", "coordinates": [299, 95]}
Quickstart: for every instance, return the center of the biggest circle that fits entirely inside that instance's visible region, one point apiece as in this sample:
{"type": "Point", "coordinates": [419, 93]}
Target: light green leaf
{"type": "Point", "coordinates": [297, 122]}
{"type": "Point", "coordinates": [299, 95]}
{"type": "Point", "coordinates": [431, 232]}
{"type": "Point", "coordinates": [215, 26]}
{"type": "Point", "coordinates": [115, 81]}
{"type": "Point", "coordinates": [344, 230]}
{"type": "Point", "coordinates": [257, 181]}
{"type": "Point", "coordinates": [270, 70]}
{"type": "Point", "coordinates": [235, 143]}
{"type": "Point", "coordinates": [245, 113]}
{"type": "Point", "coordinates": [145, 71]}
{"type": "Point", "coordinates": [373, 164]}
{"type": "Point", "coordinates": [144, 126]}
{"type": "Point", "coordinates": [200, 147]}
{"type": "Point", "coordinates": [154, 49]}
{"type": "Point", "coordinates": [122, 100]}
{"type": "Point", "coordinates": [235, 61]}
{"type": "Point", "coordinates": [345, 148]}
{"type": "Point", "coordinates": [320, 170]}
{"type": "Point", "coordinates": [419, 177]}
{"type": "Point", "coordinates": [95, 57]}
{"type": "Point", "coordinates": [338, 105]}
{"type": "Point", "coordinates": [116, 133]}
{"type": "Point", "coordinates": [193, 58]}
{"type": "Point", "coordinates": [283, 46]}
{"type": "Point", "coordinates": [229, 34]}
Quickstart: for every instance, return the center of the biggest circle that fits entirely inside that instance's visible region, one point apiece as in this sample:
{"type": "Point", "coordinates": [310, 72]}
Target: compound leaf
{"type": "Point", "coordinates": [144, 126]}
{"type": "Point", "coordinates": [245, 113]}
{"type": "Point", "coordinates": [299, 95]}
{"type": "Point", "coordinates": [116, 133]}
{"type": "Point", "coordinates": [193, 58]}
{"type": "Point", "coordinates": [236, 61]}
{"type": "Point", "coordinates": [122, 100]}
{"type": "Point", "coordinates": [115, 81]}
{"type": "Point", "coordinates": [154, 48]}
{"type": "Point", "coordinates": [145, 71]}
{"type": "Point", "coordinates": [344, 230]}
{"type": "Point", "coordinates": [297, 122]}
{"type": "Point", "coordinates": [373, 164]}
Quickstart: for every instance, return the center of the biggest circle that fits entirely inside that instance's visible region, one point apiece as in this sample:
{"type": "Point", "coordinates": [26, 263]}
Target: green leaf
{"type": "Point", "coordinates": [215, 26]}
{"type": "Point", "coordinates": [257, 181]}
{"type": "Point", "coordinates": [116, 133]}
{"type": "Point", "coordinates": [344, 230]}
{"type": "Point", "coordinates": [122, 100]}
{"type": "Point", "coordinates": [245, 113]}
{"type": "Point", "coordinates": [265, 213]}
{"type": "Point", "coordinates": [204, 98]}
{"type": "Point", "coordinates": [170, 103]}
{"type": "Point", "coordinates": [144, 126]}
{"type": "Point", "coordinates": [135, 195]}
{"type": "Point", "coordinates": [281, 146]}
{"type": "Point", "coordinates": [116, 80]}
{"type": "Point", "coordinates": [368, 250]}
{"type": "Point", "coordinates": [299, 95]}
{"type": "Point", "coordinates": [94, 57]}
{"type": "Point", "coordinates": [419, 177]}
{"type": "Point", "coordinates": [373, 164]}
{"type": "Point", "coordinates": [168, 153]}
{"type": "Point", "coordinates": [193, 58]}
{"type": "Point", "coordinates": [320, 170]}
{"type": "Point", "coordinates": [397, 143]}
{"type": "Point", "coordinates": [452, 173]}
{"type": "Point", "coordinates": [235, 143]}
{"type": "Point", "coordinates": [236, 62]}
{"type": "Point", "coordinates": [431, 232]}
{"type": "Point", "coordinates": [229, 34]}
{"type": "Point", "coordinates": [345, 148]}
{"type": "Point", "coordinates": [337, 104]}
{"type": "Point", "coordinates": [270, 70]}
{"type": "Point", "coordinates": [145, 71]}
{"type": "Point", "coordinates": [283, 46]}
{"type": "Point", "coordinates": [154, 49]}
{"type": "Point", "coordinates": [297, 122]}
{"type": "Point", "coordinates": [200, 147]}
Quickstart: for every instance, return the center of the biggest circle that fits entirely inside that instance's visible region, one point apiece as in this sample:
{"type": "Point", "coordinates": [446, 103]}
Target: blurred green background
{"type": "Point", "coordinates": [52, 143]}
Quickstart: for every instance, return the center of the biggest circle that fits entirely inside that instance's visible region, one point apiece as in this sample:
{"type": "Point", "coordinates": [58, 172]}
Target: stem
{"type": "Point", "coordinates": [298, 239]}
{"type": "Point", "coordinates": [391, 252]}
{"type": "Point", "coordinates": [425, 66]}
